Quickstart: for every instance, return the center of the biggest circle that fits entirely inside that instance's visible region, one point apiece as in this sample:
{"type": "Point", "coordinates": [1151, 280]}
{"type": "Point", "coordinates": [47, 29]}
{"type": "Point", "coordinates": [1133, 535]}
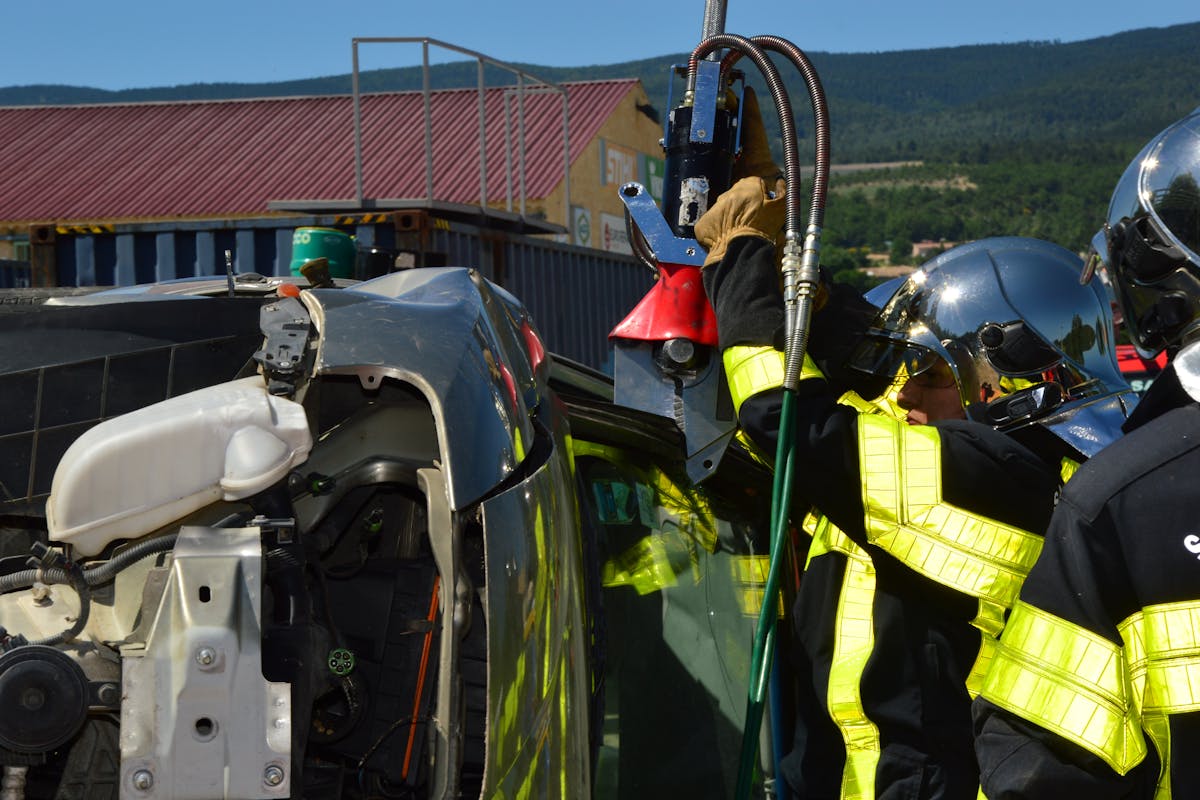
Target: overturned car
{"type": "Point", "coordinates": [366, 541]}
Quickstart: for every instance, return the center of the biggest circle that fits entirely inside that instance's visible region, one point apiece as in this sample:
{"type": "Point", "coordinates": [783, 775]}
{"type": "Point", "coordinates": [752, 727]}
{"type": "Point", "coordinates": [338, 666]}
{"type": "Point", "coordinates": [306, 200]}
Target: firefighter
{"type": "Point", "coordinates": [1002, 365]}
{"type": "Point", "coordinates": [1094, 688]}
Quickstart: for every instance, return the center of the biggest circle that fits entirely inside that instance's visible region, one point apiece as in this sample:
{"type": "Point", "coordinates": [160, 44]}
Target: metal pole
{"type": "Point", "coordinates": [508, 169]}
{"type": "Point", "coordinates": [358, 167]}
{"type": "Point", "coordinates": [428, 121]}
{"type": "Point", "coordinates": [567, 163]}
{"type": "Point", "coordinates": [521, 139]}
{"type": "Point", "coordinates": [714, 21]}
{"type": "Point", "coordinates": [483, 197]}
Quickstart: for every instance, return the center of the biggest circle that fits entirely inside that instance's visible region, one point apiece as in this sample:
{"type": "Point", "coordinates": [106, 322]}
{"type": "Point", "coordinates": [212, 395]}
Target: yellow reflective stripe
{"type": "Point", "coordinates": [990, 618]}
{"type": "Point", "coordinates": [983, 662]}
{"type": "Point", "coordinates": [1070, 681]}
{"type": "Point", "coordinates": [855, 401]}
{"type": "Point", "coordinates": [905, 515]}
{"type": "Point", "coordinates": [1158, 729]}
{"type": "Point", "coordinates": [829, 538]}
{"type": "Point", "coordinates": [1162, 649]}
{"type": "Point", "coordinates": [990, 621]}
{"type": "Point", "coordinates": [1162, 646]}
{"type": "Point", "coordinates": [1068, 468]}
{"type": "Point", "coordinates": [884, 404]}
{"type": "Point", "coordinates": [751, 370]}
{"type": "Point", "coordinates": [853, 642]}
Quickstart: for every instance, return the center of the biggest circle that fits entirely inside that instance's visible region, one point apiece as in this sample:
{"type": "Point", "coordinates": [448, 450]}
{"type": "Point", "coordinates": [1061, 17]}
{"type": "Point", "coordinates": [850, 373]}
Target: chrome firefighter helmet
{"type": "Point", "coordinates": [1025, 339]}
{"type": "Point", "coordinates": [1150, 242]}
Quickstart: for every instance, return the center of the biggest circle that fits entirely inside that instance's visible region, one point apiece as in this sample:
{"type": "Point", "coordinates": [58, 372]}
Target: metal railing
{"type": "Point", "coordinates": [539, 85]}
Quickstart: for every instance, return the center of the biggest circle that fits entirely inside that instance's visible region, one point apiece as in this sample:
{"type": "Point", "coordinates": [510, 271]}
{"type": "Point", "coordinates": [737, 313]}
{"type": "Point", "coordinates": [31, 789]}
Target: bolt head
{"type": "Point", "coordinates": [273, 775]}
{"type": "Point", "coordinates": [205, 656]}
{"type": "Point", "coordinates": [143, 780]}
{"type": "Point", "coordinates": [681, 352]}
{"type": "Point", "coordinates": [109, 694]}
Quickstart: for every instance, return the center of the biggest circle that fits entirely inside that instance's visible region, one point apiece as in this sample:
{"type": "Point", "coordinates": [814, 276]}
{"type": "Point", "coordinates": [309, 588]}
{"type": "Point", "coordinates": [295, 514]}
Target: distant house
{"type": "Point", "coordinates": [928, 248]}
{"type": "Point", "coordinates": [72, 166]}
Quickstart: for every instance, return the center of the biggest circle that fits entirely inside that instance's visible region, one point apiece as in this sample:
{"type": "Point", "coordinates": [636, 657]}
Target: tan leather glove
{"type": "Point", "coordinates": [756, 157]}
{"type": "Point", "coordinates": [747, 209]}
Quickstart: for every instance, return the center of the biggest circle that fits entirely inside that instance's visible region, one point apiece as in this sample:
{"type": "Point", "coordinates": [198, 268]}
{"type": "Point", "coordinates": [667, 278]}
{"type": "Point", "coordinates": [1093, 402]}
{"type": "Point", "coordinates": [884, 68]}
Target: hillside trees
{"type": "Point", "coordinates": [1063, 200]}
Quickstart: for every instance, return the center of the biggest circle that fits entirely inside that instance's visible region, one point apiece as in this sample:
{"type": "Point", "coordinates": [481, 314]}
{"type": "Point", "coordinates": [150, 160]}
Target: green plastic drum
{"type": "Point", "coordinates": [329, 243]}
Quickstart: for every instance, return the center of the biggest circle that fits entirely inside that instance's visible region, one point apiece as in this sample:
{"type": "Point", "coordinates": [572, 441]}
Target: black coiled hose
{"type": "Point", "coordinates": [787, 125]}
{"type": "Point", "coordinates": [96, 576]}
{"type": "Point", "coordinates": [800, 283]}
{"type": "Point", "coordinates": [82, 580]}
{"type": "Point", "coordinates": [816, 93]}
{"type": "Point", "coordinates": [800, 270]}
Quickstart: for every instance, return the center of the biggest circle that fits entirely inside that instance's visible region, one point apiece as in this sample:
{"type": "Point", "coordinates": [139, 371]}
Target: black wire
{"type": "Point", "coordinates": [370, 751]}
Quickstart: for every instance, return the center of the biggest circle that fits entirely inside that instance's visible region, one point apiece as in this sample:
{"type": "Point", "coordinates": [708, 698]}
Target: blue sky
{"type": "Point", "coordinates": [137, 43]}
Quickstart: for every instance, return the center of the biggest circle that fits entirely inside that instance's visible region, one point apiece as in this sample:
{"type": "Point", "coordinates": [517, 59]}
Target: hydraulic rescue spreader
{"type": "Point", "coordinates": [666, 359]}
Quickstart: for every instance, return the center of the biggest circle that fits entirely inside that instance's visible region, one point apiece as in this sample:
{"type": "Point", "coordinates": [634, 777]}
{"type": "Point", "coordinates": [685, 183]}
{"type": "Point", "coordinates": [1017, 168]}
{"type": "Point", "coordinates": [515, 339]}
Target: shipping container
{"type": "Point", "coordinates": [576, 295]}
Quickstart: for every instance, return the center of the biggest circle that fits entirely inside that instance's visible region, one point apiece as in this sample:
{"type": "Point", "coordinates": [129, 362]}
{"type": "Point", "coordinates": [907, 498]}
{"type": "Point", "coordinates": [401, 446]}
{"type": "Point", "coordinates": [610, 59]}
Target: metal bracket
{"type": "Point", "coordinates": [704, 102]}
{"type": "Point", "coordinates": [455, 600]}
{"type": "Point", "coordinates": [286, 325]}
{"type": "Point", "coordinates": [663, 243]}
{"type": "Point", "coordinates": [694, 398]}
{"type": "Point", "coordinates": [198, 720]}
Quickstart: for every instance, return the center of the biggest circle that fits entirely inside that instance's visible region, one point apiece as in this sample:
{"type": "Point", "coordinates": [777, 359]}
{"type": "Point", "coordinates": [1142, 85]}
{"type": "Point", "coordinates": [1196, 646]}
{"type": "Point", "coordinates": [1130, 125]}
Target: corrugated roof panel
{"type": "Point", "coordinates": [231, 158]}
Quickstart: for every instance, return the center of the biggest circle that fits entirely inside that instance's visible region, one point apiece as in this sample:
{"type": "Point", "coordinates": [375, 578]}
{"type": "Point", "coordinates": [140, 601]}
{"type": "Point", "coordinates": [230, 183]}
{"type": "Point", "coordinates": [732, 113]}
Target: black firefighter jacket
{"type": "Point", "coordinates": [1096, 685]}
{"type": "Point", "coordinates": [916, 555]}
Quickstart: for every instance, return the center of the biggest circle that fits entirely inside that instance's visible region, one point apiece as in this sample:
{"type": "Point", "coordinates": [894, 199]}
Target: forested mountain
{"type": "Point", "coordinates": [1018, 139]}
{"type": "Point", "coordinates": [955, 103]}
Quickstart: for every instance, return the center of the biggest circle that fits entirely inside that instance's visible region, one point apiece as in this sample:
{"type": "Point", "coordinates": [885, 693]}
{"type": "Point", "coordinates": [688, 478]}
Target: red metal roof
{"type": "Point", "coordinates": [230, 158]}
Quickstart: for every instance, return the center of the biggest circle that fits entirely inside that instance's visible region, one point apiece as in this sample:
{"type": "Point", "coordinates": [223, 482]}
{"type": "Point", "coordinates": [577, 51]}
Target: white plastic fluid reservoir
{"type": "Point", "coordinates": [135, 473]}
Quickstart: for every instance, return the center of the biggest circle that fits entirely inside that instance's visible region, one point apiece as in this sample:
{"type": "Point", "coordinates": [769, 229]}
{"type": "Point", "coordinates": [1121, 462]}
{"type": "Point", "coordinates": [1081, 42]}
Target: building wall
{"type": "Point", "coordinates": [626, 149]}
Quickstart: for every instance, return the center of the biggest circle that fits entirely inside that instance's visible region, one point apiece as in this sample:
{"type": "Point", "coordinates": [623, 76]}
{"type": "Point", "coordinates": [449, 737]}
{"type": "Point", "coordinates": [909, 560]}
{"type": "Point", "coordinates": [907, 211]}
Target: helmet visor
{"type": "Point", "coordinates": [1168, 186]}
{"type": "Point", "coordinates": [893, 358]}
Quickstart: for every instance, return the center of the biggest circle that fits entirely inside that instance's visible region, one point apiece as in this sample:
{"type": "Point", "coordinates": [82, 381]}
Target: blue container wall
{"type": "Point", "coordinates": [575, 295]}
{"type": "Point", "coordinates": [14, 274]}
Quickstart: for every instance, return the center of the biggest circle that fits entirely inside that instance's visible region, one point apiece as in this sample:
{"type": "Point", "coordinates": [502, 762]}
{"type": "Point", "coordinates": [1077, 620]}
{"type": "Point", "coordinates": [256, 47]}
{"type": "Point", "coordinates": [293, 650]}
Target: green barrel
{"type": "Point", "coordinates": [338, 247]}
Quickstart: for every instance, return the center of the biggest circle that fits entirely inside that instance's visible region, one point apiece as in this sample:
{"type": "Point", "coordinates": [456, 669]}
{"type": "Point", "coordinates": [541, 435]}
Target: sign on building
{"type": "Point", "coordinates": [619, 164]}
{"type": "Point", "coordinates": [654, 173]}
{"type": "Point", "coordinates": [612, 235]}
{"type": "Point", "coordinates": [581, 226]}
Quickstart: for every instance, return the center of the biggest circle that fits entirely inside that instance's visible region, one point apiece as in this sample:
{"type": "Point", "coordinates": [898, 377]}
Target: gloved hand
{"type": "Point", "coordinates": [747, 209]}
{"type": "Point", "coordinates": [756, 157]}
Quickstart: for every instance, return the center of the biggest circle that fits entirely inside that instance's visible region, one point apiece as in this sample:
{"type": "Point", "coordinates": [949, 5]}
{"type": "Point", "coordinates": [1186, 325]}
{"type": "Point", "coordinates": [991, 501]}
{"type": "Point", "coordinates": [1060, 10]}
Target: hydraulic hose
{"type": "Point", "coordinates": [801, 282]}
{"type": "Point", "coordinates": [801, 276]}
{"type": "Point", "coordinates": [638, 244]}
{"type": "Point", "coordinates": [775, 85]}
